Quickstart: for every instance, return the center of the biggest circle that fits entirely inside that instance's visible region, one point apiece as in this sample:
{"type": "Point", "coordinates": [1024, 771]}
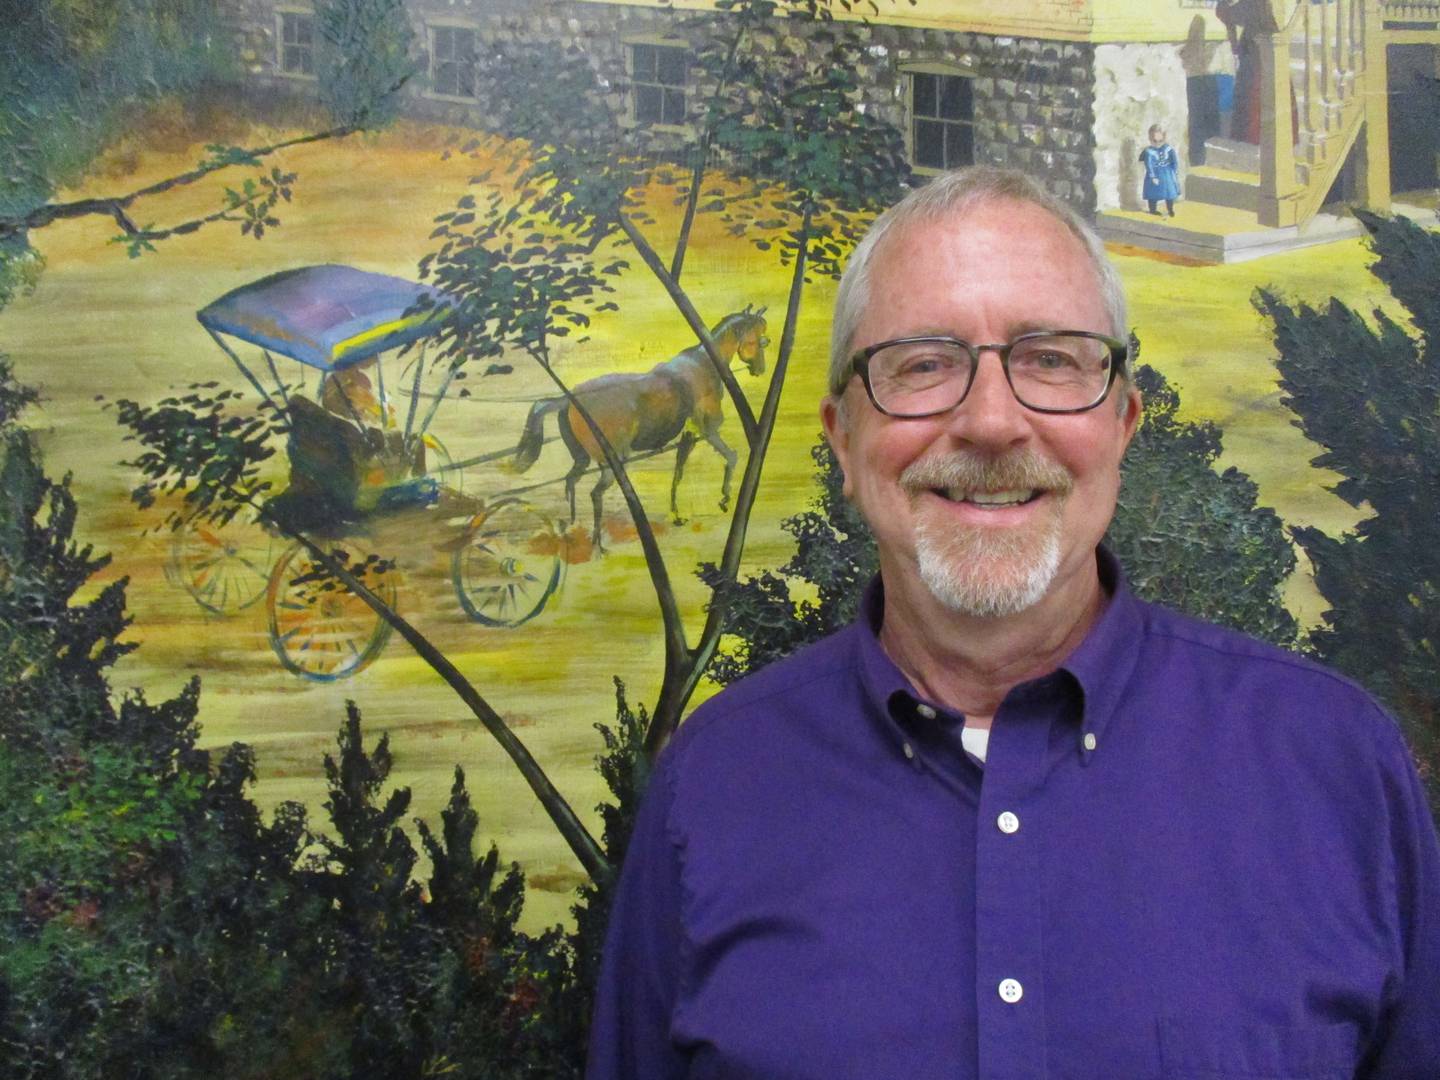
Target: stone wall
{"type": "Point", "coordinates": [1032, 98]}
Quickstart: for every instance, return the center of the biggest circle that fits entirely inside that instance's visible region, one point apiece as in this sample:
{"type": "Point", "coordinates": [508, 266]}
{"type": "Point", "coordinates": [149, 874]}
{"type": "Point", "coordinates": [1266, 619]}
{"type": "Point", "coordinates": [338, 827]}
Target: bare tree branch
{"type": "Point", "coordinates": [702, 151]}
{"type": "Point", "coordinates": [675, 694]}
{"type": "Point", "coordinates": [677, 650]}
{"type": "Point", "coordinates": [584, 846]}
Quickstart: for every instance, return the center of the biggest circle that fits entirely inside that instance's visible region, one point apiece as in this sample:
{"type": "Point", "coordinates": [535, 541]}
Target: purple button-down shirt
{"type": "Point", "coordinates": [1188, 854]}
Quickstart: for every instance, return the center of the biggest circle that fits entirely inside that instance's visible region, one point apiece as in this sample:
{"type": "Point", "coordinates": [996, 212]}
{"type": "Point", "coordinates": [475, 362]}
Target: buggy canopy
{"type": "Point", "coordinates": [330, 317]}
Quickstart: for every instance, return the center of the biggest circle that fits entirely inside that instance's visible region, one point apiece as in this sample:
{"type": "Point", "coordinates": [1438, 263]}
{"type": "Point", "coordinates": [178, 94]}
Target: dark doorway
{"type": "Point", "coordinates": [1210, 99]}
{"type": "Point", "coordinates": [1414, 101]}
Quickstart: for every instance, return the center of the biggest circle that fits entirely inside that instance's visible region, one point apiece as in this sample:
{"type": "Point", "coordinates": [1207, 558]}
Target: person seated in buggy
{"type": "Point", "coordinates": [348, 453]}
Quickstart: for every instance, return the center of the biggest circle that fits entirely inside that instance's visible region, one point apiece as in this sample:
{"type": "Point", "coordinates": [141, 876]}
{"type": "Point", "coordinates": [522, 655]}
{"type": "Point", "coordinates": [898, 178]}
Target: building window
{"type": "Point", "coordinates": [943, 111]}
{"type": "Point", "coordinates": [657, 80]}
{"type": "Point", "coordinates": [452, 61]}
{"type": "Point", "coordinates": [297, 43]}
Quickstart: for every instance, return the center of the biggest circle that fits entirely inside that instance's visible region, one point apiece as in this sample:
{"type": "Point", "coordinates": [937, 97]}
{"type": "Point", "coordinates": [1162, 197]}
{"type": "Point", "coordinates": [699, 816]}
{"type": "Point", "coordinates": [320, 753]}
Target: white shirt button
{"type": "Point", "coordinates": [1089, 740]}
{"type": "Point", "coordinates": [909, 751]}
{"type": "Point", "coordinates": [1008, 823]}
{"type": "Point", "coordinates": [1011, 991]}
{"type": "Point", "coordinates": [925, 711]}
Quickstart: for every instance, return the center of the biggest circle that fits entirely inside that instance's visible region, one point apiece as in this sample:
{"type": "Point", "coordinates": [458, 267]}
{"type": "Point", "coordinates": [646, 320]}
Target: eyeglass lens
{"type": "Point", "coordinates": [1056, 371]}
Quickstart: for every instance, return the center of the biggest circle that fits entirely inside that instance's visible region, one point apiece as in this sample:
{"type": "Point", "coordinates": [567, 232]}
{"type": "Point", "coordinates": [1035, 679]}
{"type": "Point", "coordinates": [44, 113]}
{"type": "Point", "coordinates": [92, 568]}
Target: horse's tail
{"type": "Point", "coordinates": [527, 451]}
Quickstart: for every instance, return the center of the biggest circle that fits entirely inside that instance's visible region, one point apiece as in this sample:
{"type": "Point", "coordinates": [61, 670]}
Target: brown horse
{"type": "Point", "coordinates": [680, 398]}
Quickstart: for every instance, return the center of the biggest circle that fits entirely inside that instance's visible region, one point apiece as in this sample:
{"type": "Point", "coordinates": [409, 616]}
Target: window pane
{"type": "Point", "coordinates": [930, 144]}
{"type": "Point", "coordinates": [301, 29]}
{"type": "Point", "coordinates": [674, 107]}
{"type": "Point", "coordinates": [925, 94]}
{"type": "Point", "coordinates": [671, 66]}
{"type": "Point", "coordinates": [648, 104]}
{"type": "Point", "coordinates": [452, 61]}
{"type": "Point", "coordinates": [955, 103]}
{"type": "Point", "coordinates": [959, 145]}
{"type": "Point", "coordinates": [465, 46]}
{"type": "Point", "coordinates": [643, 62]}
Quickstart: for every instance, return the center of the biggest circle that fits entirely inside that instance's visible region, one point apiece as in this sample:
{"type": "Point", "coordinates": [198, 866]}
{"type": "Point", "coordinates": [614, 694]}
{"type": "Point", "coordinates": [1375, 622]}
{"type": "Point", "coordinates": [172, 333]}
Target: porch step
{"type": "Point", "coordinates": [1232, 155]}
{"type": "Point", "coordinates": [1223, 187]}
{"type": "Point", "coordinates": [1214, 234]}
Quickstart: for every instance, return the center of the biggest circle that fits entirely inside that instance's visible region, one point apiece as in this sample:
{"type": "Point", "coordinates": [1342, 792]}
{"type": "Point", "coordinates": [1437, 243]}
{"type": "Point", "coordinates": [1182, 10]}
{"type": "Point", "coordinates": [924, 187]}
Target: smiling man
{"type": "Point", "coordinates": [1015, 822]}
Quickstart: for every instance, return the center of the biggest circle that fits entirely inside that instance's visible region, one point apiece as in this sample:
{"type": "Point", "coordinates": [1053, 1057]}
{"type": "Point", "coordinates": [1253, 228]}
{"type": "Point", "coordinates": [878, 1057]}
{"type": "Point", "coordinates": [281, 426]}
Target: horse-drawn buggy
{"type": "Point", "coordinates": [367, 475]}
{"type": "Point", "coordinates": [369, 479]}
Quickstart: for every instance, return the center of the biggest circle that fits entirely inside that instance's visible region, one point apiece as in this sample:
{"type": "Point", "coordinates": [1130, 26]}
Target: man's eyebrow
{"type": "Point", "coordinates": [1014, 330]}
{"type": "Point", "coordinates": [1030, 326]}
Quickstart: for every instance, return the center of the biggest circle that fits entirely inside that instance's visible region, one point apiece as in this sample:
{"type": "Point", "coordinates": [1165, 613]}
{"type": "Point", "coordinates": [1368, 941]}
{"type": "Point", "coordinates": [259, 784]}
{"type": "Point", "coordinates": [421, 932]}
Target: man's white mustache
{"type": "Point", "coordinates": [1018, 470]}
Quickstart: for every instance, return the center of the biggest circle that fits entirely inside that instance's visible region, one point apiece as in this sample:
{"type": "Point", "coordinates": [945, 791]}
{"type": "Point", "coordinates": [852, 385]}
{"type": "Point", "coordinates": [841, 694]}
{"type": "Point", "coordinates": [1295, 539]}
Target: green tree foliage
{"type": "Point", "coordinates": [1188, 537]}
{"type": "Point", "coordinates": [1191, 537]}
{"type": "Point", "coordinates": [72, 74]}
{"type": "Point", "coordinates": [92, 795]}
{"type": "Point", "coordinates": [834, 557]}
{"type": "Point", "coordinates": [365, 58]}
{"type": "Point", "coordinates": [625, 767]}
{"type": "Point", "coordinates": [1369, 393]}
{"type": "Point", "coordinates": [154, 925]}
{"type": "Point", "coordinates": [70, 69]}
{"type": "Point", "coordinates": [76, 74]}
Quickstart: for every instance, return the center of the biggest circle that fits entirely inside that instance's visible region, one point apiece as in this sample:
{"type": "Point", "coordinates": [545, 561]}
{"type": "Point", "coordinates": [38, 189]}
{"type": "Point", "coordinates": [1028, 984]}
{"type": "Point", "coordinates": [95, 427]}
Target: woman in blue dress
{"type": "Point", "coordinates": [1161, 172]}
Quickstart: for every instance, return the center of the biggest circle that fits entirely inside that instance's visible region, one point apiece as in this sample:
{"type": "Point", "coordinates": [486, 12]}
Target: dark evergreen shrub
{"type": "Point", "coordinates": [1369, 393]}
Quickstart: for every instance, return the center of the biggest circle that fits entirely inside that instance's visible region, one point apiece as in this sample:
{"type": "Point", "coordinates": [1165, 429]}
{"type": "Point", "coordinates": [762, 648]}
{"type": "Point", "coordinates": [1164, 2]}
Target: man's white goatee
{"type": "Point", "coordinates": [984, 571]}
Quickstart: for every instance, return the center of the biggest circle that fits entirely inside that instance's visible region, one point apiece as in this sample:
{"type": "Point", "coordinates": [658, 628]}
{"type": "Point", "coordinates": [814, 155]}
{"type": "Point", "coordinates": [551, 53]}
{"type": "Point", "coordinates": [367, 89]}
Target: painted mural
{"type": "Point", "coordinates": [408, 411]}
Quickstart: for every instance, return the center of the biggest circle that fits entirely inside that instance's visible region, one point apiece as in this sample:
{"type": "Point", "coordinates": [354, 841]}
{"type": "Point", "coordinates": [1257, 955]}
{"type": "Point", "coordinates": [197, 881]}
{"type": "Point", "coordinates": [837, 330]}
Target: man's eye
{"type": "Point", "coordinates": [924, 364]}
{"type": "Point", "coordinates": [1047, 360]}
{"type": "Point", "coordinates": [1054, 360]}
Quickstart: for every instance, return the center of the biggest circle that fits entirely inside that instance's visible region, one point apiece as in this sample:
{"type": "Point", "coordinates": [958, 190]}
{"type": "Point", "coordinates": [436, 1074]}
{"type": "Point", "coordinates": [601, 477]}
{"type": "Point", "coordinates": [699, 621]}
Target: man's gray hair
{"type": "Point", "coordinates": [947, 195]}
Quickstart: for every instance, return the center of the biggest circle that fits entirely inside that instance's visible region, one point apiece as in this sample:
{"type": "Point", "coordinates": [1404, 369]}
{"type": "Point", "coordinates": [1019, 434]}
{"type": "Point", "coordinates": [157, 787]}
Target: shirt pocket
{"type": "Point", "coordinates": [1194, 1050]}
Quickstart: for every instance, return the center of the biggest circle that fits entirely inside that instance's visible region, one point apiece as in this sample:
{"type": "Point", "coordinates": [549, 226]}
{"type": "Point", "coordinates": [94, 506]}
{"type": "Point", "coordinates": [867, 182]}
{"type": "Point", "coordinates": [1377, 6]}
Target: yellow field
{"type": "Point", "coordinates": [102, 324]}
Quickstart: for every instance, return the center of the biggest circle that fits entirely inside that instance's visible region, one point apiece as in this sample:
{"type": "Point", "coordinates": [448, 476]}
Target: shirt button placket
{"type": "Point", "coordinates": [1009, 913]}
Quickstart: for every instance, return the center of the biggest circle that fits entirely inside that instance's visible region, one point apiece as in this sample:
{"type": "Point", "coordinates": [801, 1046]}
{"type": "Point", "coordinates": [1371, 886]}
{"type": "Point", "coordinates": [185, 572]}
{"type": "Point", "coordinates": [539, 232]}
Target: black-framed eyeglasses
{"type": "Point", "coordinates": [1061, 371]}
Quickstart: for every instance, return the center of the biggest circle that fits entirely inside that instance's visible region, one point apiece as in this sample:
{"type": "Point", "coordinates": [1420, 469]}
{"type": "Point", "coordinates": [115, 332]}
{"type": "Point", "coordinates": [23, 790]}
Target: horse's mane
{"type": "Point", "coordinates": [737, 322]}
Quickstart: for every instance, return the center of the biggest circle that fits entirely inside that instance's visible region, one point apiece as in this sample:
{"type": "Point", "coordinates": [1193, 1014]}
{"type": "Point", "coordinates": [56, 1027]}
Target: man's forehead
{"type": "Point", "coordinates": [993, 231]}
{"type": "Point", "coordinates": [986, 213]}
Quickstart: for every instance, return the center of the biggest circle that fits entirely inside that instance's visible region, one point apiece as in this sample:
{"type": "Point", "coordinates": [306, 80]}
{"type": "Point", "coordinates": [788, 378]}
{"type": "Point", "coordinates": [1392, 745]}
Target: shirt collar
{"type": "Point", "coordinates": [1105, 661]}
{"type": "Point", "coordinates": [1102, 664]}
{"type": "Point", "coordinates": [885, 687]}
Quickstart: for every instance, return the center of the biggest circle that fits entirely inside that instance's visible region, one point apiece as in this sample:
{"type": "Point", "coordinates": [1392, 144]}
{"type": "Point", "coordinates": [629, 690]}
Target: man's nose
{"type": "Point", "coordinates": [990, 416]}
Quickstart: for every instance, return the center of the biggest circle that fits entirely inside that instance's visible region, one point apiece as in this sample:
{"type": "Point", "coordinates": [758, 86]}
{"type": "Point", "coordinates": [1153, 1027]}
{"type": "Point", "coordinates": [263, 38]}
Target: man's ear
{"type": "Point", "coordinates": [837, 434]}
{"type": "Point", "coordinates": [1130, 416]}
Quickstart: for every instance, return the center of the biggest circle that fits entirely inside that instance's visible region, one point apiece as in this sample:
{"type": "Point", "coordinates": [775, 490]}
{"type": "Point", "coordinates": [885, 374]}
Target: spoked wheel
{"type": "Point", "coordinates": [508, 566]}
{"type": "Point", "coordinates": [438, 464]}
{"type": "Point", "coordinates": [320, 629]}
{"type": "Point", "coordinates": [225, 568]}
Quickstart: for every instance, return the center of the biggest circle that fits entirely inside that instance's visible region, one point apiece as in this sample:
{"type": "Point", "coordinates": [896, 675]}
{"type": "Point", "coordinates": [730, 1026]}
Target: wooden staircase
{"type": "Point", "coordinates": [1319, 60]}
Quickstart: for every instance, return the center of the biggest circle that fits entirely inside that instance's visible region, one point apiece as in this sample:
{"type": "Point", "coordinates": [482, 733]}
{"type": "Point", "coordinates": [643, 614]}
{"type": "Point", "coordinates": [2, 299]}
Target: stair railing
{"type": "Point", "coordinates": [1331, 38]}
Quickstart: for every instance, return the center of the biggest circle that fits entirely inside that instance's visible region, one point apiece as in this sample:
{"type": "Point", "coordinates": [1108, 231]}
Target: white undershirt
{"type": "Point", "coordinates": [975, 741]}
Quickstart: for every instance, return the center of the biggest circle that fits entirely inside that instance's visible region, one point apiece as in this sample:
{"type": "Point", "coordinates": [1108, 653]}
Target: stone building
{"type": "Point", "coordinates": [1065, 89]}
